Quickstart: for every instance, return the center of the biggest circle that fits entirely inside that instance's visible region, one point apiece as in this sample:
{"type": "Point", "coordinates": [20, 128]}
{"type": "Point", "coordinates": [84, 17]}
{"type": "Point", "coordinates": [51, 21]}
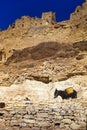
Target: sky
{"type": "Point", "coordinates": [10, 10]}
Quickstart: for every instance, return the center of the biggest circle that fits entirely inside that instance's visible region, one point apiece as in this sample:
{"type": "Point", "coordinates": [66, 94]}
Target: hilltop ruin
{"type": "Point", "coordinates": [45, 29]}
{"type": "Point", "coordinates": [48, 18]}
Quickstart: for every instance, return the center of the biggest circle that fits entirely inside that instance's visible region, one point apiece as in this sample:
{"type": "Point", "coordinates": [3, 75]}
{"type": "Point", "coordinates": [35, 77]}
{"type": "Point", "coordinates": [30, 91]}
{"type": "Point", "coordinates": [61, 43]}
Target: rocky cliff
{"type": "Point", "coordinates": [27, 31]}
{"type": "Point", "coordinates": [37, 56]}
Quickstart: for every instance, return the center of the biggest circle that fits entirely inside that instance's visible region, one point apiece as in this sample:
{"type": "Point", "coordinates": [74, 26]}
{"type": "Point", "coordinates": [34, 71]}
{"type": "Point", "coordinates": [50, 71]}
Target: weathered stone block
{"type": "Point", "coordinates": [66, 121]}
{"type": "Point", "coordinates": [74, 126]}
{"type": "Point", "coordinates": [29, 121]}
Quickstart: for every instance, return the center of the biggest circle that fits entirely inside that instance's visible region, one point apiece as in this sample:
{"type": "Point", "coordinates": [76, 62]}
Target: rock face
{"type": "Point", "coordinates": [37, 56]}
{"type": "Point", "coordinates": [80, 14]}
{"type": "Point", "coordinates": [46, 62]}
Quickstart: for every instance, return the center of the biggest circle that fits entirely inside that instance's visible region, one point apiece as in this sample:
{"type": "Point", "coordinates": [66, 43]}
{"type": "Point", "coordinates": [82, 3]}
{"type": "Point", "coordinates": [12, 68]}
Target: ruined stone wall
{"type": "Point", "coordinates": [35, 22]}
{"type": "Point", "coordinates": [53, 116]}
{"type": "Point", "coordinates": [50, 17]}
{"type": "Point", "coordinates": [28, 22]}
{"type": "Point", "coordinates": [80, 13]}
{"type": "Point", "coordinates": [24, 22]}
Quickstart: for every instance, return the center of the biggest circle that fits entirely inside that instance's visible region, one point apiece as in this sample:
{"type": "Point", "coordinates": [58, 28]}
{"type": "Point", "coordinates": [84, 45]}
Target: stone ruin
{"type": "Point", "coordinates": [48, 18]}
{"type": "Point", "coordinates": [79, 17]}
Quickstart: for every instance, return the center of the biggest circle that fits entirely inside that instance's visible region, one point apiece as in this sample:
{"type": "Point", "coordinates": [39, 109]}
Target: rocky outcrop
{"type": "Point", "coordinates": [45, 50]}
{"type": "Point", "coordinates": [29, 32]}
{"type": "Point", "coordinates": [79, 17]}
{"type": "Point", "coordinates": [48, 61]}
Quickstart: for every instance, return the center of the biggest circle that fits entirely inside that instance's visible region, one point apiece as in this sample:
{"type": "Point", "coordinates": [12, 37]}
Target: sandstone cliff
{"type": "Point", "coordinates": [30, 42]}
{"type": "Point", "coordinates": [37, 56]}
{"type": "Point", "coordinates": [27, 31]}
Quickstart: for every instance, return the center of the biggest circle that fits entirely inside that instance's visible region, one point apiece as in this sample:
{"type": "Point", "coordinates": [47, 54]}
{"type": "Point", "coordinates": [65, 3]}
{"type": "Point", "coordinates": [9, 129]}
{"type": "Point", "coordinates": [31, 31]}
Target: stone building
{"type": "Point", "coordinates": [26, 22]}
{"type": "Point", "coordinates": [49, 17]}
